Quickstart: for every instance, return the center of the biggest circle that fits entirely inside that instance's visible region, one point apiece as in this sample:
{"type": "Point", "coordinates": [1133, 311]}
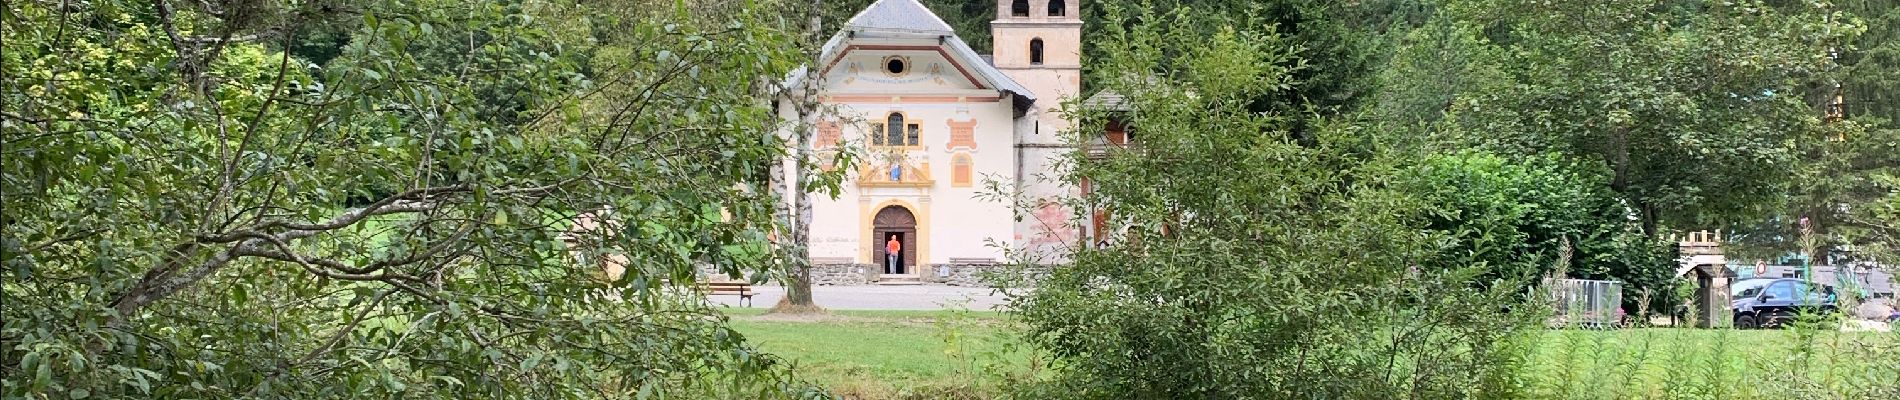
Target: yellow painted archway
{"type": "Point", "coordinates": [867, 233]}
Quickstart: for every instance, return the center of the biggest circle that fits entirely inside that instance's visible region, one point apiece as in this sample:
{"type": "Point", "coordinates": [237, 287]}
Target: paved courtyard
{"type": "Point", "coordinates": [875, 297]}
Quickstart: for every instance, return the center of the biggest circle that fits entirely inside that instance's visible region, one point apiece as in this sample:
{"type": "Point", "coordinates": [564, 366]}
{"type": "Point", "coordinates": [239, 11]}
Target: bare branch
{"type": "Point", "coordinates": [347, 328]}
{"type": "Point", "coordinates": [405, 202]}
{"type": "Point", "coordinates": [186, 50]}
{"type": "Point", "coordinates": [164, 279]}
{"type": "Point", "coordinates": [284, 253]}
{"type": "Point", "coordinates": [350, 218]}
{"type": "Point", "coordinates": [244, 38]}
{"type": "Point", "coordinates": [438, 248]}
{"type": "Point", "coordinates": [161, 282]}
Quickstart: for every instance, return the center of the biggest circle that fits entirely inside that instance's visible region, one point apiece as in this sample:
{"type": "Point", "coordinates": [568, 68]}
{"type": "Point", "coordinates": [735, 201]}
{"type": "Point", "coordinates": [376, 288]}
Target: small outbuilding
{"type": "Point", "coordinates": [1701, 261]}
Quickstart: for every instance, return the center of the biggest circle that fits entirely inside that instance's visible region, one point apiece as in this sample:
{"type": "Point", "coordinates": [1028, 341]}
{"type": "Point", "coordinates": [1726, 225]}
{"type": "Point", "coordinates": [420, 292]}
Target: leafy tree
{"type": "Point", "coordinates": [1868, 76]}
{"type": "Point", "coordinates": [1844, 172]}
{"type": "Point", "coordinates": [1687, 139]}
{"type": "Point", "coordinates": [1340, 45]}
{"type": "Point", "coordinates": [192, 209]}
{"type": "Point", "coordinates": [1248, 264]}
{"type": "Point", "coordinates": [1849, 194]}
{"type": "Point", "coordinates": [1531, 212]}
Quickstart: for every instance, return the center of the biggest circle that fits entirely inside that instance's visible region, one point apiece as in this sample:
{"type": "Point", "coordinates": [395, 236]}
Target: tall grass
{"type": "Point", "coordinates": [1812, 359]}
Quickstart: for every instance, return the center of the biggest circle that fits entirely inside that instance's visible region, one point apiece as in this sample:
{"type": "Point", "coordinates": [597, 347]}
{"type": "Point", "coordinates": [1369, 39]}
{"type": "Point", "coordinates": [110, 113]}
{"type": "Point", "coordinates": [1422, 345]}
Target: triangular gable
{"type": "Point", "coordinates": [907, 19]}
{"type": "Point", "coordinates": [954, 69]}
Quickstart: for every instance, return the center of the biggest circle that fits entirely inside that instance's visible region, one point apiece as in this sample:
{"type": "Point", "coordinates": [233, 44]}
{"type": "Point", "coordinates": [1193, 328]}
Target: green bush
{"type": "Point", "coordinates": [1247, 263]}
{"type": "Point", "coordinates": [1526, 211]}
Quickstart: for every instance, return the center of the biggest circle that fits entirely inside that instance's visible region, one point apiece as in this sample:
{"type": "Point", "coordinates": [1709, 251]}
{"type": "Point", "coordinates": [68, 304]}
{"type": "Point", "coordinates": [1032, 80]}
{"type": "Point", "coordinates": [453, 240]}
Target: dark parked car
{"type": "Point", "coordinates": [1771, 302]}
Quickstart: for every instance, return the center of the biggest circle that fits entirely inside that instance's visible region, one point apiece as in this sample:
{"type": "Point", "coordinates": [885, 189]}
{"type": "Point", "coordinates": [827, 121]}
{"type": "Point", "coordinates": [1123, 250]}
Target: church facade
{"type": "Point", "coordinates": [940, 124]}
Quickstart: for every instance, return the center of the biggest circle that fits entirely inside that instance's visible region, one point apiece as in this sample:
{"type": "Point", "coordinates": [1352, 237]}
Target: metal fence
{"type": "Point", "coordinates": [1586, 303]}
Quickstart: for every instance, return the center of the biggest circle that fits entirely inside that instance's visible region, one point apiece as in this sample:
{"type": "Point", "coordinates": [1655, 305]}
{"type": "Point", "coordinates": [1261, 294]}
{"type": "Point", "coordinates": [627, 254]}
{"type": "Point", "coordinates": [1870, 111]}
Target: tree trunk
{"type": "Point", "coordinates": [798, 285]}
{"type": "Point", "coordinates": [1620, 182]}
{"type": "Point", "coordinates": [1649, 215]}
{"type": "Point", "coordinates": [798, 297]}
{"type": "Point", "coordinates": [794, 216]}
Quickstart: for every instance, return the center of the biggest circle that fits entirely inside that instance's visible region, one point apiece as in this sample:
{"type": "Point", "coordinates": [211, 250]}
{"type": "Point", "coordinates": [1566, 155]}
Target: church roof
{"type": "Point", "coordinates": [910, 19]}
{"type": "Point", "coordinates": [900, 16]}
{"type": "Point", "coordinates": [1107, 100]}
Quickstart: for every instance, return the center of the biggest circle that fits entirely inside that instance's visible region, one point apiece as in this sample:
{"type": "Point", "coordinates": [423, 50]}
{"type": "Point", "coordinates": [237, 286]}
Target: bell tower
{"type": "Point", "coordinates": [1038, 44]}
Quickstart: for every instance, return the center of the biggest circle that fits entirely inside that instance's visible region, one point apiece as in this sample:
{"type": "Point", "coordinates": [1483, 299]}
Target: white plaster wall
{"type": "Point", "coordinates": [963, 222]}
{"type": "Point", "coordinates": [834, 229]}
{"type": "Point", "coordinates": [958, 223]}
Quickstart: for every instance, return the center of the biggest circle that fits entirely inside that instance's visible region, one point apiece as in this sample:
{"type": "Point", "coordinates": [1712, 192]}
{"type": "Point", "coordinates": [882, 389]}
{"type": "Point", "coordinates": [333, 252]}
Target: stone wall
{"type": "Point", "coordinates": [821, 274]}
{"type": "Point", "coordinates": [951, 274]}
{"type": "Point", "coordinates": [840, 274]}
{"type": "Point", "coordinates": [711, 273]}
{"type": "Point", "coordinates": [975, 274]}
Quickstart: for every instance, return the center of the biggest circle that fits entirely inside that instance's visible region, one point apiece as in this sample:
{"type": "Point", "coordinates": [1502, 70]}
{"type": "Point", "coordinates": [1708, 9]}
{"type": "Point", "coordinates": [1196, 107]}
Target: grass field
{"type": "Point", "coordinates": [941, 354]}
{"type": "Point", "coordinates": [1712, 363]}
{"type": "Point", "coordinates": [885, 354]}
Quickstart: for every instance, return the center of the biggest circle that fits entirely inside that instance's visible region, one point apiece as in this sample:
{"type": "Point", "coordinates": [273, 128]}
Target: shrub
{"type": "Point", "coordinates": [1248, 263]}
{"type": "Point", "coordinates": [1520, 212]}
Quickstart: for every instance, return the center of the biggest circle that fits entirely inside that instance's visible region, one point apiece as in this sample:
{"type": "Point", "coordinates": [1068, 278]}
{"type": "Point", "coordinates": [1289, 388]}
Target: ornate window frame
{"type": "Point", "coordinates": [912, 132]}
{"type": "Point", "coordinates": [884, 66]}
{"type": "Point", "coordinates": [962, 170]}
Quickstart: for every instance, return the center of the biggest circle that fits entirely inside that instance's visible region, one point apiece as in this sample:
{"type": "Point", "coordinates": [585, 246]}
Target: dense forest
{"type": "Point", "coordinates": [381, 198]}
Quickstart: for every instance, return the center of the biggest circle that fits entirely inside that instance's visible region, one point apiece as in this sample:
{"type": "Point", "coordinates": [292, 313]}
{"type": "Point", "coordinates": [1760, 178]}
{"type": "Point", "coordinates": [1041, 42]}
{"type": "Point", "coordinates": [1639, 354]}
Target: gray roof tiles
{"type": "Point", "coordinates": [1108, 100]}
{"type": "Point", "coordinates": [909, 19]}
{"type": "Point", "coordinates": [899, 16]}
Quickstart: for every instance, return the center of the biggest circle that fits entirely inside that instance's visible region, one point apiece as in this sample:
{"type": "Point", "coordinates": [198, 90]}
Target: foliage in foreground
{"type": "Point", "coordinates": [328, 199]}
{"type": "Point", "coordinates": [1250, 257]}
{"type": "Point", "coordinates": [1249, 263]}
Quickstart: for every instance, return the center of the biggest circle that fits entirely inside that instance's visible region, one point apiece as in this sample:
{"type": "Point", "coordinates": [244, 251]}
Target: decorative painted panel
{"type": "Point", "coordinates": [829, 134]}
{"type": "Point", "coordinates": [962, 135]}
{"type": "Point", "coordinates": [899, 174]}
{"type": "Point", "coordinates": [961, 170]}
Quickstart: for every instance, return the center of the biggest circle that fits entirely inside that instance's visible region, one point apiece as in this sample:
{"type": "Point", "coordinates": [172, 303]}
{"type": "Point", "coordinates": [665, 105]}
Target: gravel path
{"type": "Point", "coordinates": [876, 297]}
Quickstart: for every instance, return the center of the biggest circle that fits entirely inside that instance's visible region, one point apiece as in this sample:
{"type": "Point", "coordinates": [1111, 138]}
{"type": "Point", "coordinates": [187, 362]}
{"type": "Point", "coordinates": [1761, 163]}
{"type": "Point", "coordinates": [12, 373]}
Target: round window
{"type": "Point", "coordinates": [894, 66]}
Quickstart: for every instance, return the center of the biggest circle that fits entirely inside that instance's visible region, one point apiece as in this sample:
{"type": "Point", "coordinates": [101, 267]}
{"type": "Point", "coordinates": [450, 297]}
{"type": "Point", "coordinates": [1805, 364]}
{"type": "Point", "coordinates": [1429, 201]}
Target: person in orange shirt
{"type": "Point", "coordinates": [891, 249]}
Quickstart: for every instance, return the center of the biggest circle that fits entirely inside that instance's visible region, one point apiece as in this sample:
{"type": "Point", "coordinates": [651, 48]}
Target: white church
{"type": "Point", "coordinates": [938, 120]}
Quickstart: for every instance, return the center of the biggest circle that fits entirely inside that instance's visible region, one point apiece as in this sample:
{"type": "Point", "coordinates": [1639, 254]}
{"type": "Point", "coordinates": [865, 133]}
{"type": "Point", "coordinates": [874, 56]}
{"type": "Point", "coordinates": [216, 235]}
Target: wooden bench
{"type": "Point", "coordinates": [743, 289]}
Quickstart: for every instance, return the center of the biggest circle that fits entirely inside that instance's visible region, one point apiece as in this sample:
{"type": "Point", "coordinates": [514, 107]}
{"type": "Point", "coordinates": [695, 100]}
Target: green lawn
{"type": "Point", "coordinates": [905, 354]}
{"type": "Point", "coordinates": [885, 354]}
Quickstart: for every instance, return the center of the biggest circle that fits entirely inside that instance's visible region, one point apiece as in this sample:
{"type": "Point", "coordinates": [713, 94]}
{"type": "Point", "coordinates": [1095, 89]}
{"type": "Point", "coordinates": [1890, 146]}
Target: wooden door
{"type": "Point", "coordinates": [895, 220]}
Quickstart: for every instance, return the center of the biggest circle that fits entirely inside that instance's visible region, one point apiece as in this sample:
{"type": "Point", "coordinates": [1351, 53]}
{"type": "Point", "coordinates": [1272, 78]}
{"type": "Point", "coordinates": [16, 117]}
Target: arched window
{"type": "Point", "coordinates": [1035, 51]}
{"type": "Point", "coordinates": [894, 130]}
{"type": "Point", "coordinates": [960, 170]}
{"type": "Point", "coordinates": [1019, 8]}
{"type": "Point", "coordinates": [1056, 8]}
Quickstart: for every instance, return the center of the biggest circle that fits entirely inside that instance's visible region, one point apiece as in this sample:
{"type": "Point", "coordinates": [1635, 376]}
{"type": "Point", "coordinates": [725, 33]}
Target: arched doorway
{"type": "Point", "coordinates": [894, 221]}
